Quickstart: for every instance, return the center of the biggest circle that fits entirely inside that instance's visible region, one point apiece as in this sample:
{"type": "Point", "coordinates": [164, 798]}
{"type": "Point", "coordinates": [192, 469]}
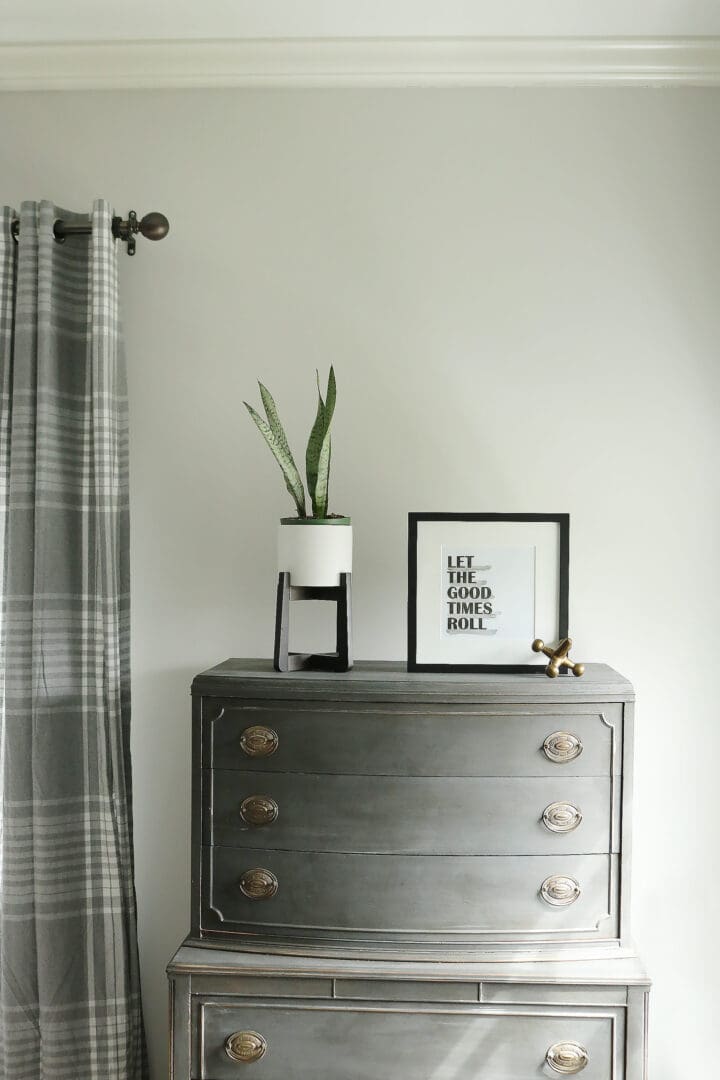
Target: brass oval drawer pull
{"type": "Point", "coordinates": [258, 810]}
{"type": "Point", "coordinates": [258, 884]}
{"type": "Point", "coordinates": [259, 741]}
{"type": "Point", "coordinates": [567, 1058]}
{"type": "Point", "coordinates": [561, 817]}
{"type": "Point", "coordinates": [559, 890]}
{"type": "Point", "coordinates": [561, 746]}
{"type": "Point", "coordinates": [245, 1046]}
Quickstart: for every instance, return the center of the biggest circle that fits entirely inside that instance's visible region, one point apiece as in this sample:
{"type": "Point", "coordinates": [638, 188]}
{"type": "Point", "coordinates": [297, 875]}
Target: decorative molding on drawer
{"type": "Point", "coordinates": [414, 740]}
{"type": "Point", "coordinates": [379, 62]}
{"type": "Point", "coordinates": [434, 1033]}
{"type": "Point", "coordinates": [319, 901]}
{"type": "Point", "coordinates": [388, 815]}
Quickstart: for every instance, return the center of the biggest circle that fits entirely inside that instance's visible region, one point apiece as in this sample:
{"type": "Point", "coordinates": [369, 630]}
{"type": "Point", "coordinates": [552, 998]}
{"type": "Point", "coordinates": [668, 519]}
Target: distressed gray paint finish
{"type": "Point", "coordinates": [202, 962]}
{"type": "Point", "coordinates": [391, 740]}
{"type": "Point", "coordinates": [444, 898]}
{"type": "Point", "coordinates": [343, 1041]}
{"type": "Point", "coordinates": [411, 815]}
{"type": "Point", "coordinates": [458, 1021]}
{"type": "Point", "coordinates": [409, 830]}
{"type": "Point", "coordinates": [375, 680]}
{"type": "Point", "coordinates": [377, 763]}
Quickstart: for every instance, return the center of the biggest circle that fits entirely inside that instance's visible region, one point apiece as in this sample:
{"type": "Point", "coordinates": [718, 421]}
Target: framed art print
{"type": "Point", "coordinates": [482, 587]}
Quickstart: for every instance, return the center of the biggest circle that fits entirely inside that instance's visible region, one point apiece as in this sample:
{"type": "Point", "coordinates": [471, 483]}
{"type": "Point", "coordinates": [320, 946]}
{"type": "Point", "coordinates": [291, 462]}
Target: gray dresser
{"type": "Point", "coordinates": [409, 875]}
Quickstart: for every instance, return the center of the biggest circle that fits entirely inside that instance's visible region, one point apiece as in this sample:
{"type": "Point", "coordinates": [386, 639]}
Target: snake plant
{"type": "Point", "coordinates": [317, 455]}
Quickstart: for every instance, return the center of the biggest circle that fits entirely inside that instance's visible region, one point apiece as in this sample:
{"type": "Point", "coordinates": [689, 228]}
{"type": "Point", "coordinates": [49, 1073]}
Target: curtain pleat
{"type": "Point", "coordinates": [70, 1004]}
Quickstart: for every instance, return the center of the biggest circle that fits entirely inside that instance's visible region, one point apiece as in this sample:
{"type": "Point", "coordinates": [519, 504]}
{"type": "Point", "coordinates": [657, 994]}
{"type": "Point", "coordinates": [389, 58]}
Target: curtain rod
{"type": "Point", "coordinates": [153, 226]}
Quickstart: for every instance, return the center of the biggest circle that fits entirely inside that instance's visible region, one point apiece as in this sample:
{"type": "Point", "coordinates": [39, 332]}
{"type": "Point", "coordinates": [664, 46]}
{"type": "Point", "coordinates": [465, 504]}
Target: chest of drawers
{"type": "Point", "coordinates": [411, 816]}
{"type": "Point", "coordinates": [276, 1017]}
{"type": "Point", "coordinates": [402, 876]}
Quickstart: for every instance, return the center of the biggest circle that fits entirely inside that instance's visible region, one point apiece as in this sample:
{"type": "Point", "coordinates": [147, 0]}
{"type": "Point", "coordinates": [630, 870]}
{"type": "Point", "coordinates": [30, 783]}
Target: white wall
{"type": "Point", "coordinates": [519, 290]}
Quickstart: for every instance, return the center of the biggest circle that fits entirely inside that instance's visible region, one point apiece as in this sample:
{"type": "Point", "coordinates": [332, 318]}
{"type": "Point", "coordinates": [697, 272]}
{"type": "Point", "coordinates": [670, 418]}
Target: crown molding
{"type": "Point", "coordinates": [361, 62]}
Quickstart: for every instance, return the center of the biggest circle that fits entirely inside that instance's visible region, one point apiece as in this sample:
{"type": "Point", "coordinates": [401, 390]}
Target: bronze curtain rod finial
{"type": "Point", "coordinates": [153, 226]}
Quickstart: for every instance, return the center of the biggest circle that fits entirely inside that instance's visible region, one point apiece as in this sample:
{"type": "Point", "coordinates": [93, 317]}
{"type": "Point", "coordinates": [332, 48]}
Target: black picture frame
{"type": "Point", "coordinates": [414, 518]}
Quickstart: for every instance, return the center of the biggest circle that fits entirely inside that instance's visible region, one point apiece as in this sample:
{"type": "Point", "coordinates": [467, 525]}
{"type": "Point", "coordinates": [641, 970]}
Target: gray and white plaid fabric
{"type": "Point", "coordinates": [69, 983]}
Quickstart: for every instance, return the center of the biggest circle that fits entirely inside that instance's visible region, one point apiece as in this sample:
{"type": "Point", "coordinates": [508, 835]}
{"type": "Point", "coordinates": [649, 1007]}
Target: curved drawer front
{"type": "Point", "coordinates": [312, 1040]}
{"type": "Point", "coordinates": [397, 897]}
{"type": "Point", "coordinates": [413, 740]}
{"type": "Point", "coordinates": [410, 815]}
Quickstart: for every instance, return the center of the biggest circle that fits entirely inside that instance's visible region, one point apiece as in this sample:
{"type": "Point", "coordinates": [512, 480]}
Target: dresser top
{"type": "Point", "coordinates": [376, 680]}
{"type": "Point", "coordinates": [192, 959]}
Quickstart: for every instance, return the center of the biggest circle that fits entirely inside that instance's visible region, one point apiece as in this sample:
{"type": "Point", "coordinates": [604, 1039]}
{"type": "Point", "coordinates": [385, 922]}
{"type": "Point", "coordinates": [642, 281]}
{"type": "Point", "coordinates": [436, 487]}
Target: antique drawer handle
{"type": "Point", "coordinates": [258, 810]}
{"type": "Point", "coordinates": [559, 890]}
{"type": "Point", "coordinates": [258, 884]}
{"type": "Point", "coordinates": [246, 1046]}
{"type": "Point", "coordinates": [561, 746]}
{"type": "Point", "coordinates": [561, 817]}
{"type": "Point", "coordinates": [567, 1058]}
{"type": "Point", "coordinates": [259, 741]}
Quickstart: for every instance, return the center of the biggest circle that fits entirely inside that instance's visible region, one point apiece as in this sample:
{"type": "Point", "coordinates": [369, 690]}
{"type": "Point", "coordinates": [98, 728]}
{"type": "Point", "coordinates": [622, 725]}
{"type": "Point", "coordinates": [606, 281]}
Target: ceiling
{"type": "Point", "coordinates": [29, 21]}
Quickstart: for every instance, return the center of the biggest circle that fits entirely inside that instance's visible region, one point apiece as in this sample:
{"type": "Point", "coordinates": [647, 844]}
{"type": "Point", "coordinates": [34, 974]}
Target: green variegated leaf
{"type": "Point", "coordinates": [314, 446]}
{"type": "Point", "coordinates": [274, 419]}
{"type": "Point", "coordinates": [330, 395]}
{"type": "Point", "coordinates": [321, 489]}
{"type": "Point", "coordinates": [320, 498]}
{"type": "Point", "coordinates": [284, 458]}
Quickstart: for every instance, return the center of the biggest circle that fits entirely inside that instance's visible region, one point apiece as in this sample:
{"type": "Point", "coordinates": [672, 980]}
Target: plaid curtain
{"type": "Point", "coordinates": [69, 983]}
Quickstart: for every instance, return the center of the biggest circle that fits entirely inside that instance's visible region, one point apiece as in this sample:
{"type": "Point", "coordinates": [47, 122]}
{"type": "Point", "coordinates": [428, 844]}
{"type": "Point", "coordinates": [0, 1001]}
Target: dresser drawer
{"type": "Point", "coordinates": [311, 1040]}
{"type": "Point", "coordinates": [410, 815]}
{"type": "Point", "coordinates": [513, 740]}
{"type": "Point", "coordinates": [401, 897]}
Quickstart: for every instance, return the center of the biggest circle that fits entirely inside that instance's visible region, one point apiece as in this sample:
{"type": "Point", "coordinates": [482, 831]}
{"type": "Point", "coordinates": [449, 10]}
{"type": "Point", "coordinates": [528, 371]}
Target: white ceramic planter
{"type": "Point", "coordinates": [315, 553]}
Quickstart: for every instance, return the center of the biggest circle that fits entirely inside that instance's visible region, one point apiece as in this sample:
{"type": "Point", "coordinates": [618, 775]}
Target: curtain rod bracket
{"type": "Point", "coordinates": [127, 230]}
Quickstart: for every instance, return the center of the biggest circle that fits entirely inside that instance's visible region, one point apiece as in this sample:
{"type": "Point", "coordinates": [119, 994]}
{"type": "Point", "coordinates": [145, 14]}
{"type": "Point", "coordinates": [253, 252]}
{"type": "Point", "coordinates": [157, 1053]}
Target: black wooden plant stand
{"type": "Point", "coordinates": [341, 659]}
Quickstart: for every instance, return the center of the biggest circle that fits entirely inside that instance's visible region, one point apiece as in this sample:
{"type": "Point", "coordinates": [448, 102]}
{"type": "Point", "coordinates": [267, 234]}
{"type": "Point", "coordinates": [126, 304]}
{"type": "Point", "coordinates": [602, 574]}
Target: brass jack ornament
{"type": "Point", "coordinates": [559, 658]}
